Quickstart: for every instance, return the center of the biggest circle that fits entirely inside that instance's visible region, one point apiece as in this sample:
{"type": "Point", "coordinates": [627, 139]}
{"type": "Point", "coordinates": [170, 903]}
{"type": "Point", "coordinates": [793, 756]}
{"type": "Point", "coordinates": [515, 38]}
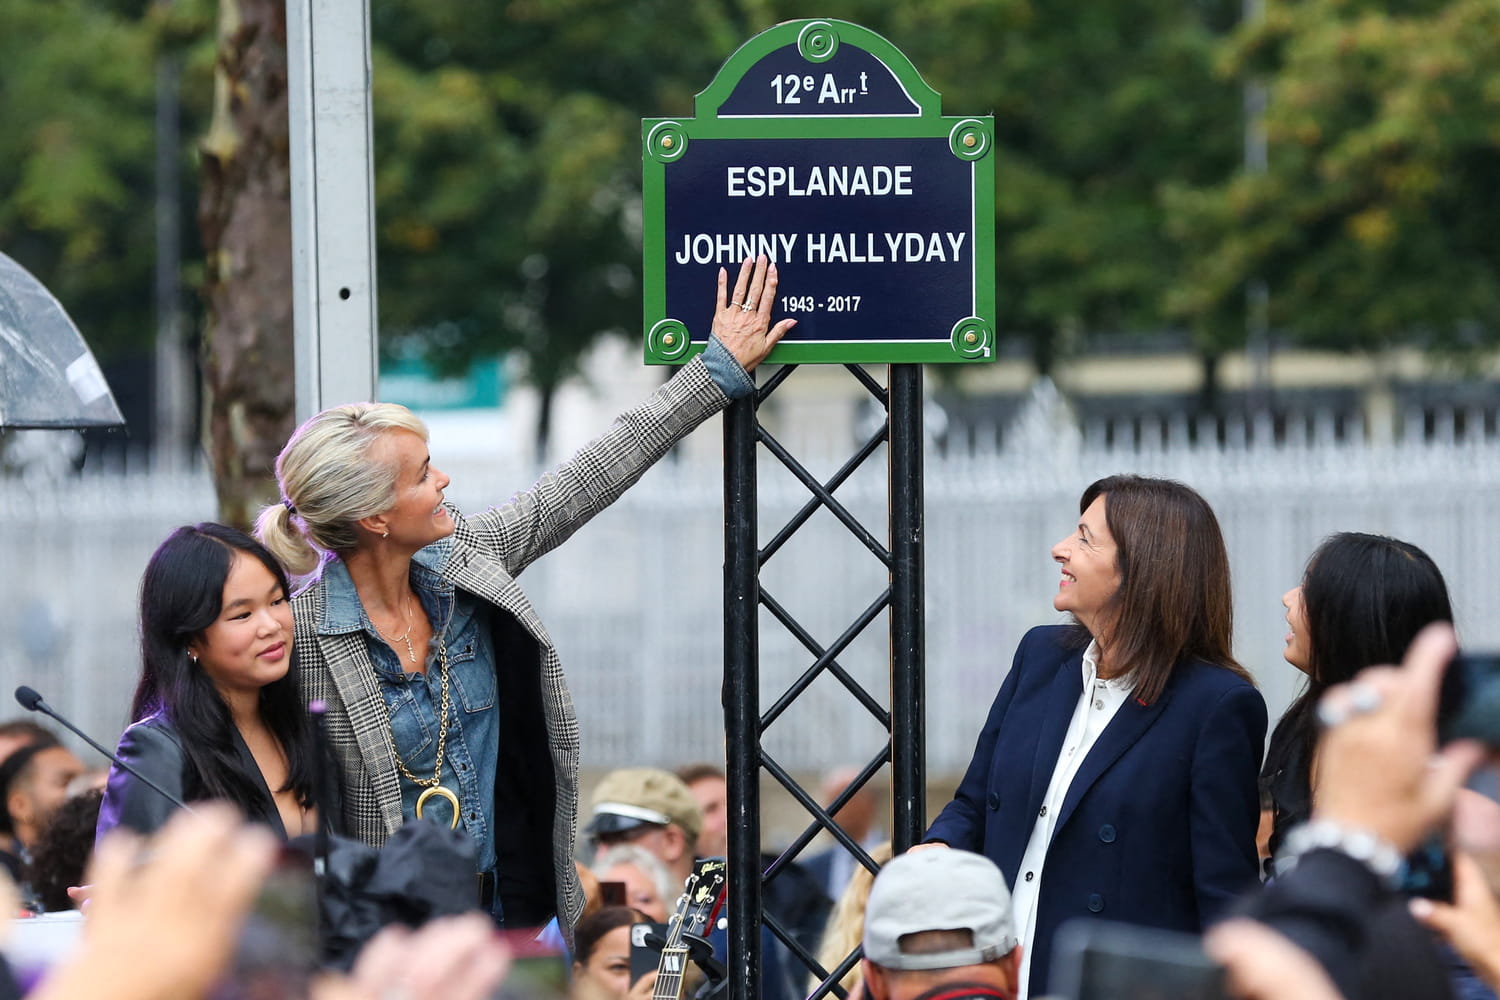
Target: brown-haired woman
{"type": "Point", "coordinates": [1116, 774]}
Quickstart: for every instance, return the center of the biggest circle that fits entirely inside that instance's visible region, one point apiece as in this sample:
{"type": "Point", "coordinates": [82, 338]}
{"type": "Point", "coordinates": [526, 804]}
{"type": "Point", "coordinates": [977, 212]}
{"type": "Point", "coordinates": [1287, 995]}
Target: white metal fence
{"type": "Point", "coordinates": [633, 602]}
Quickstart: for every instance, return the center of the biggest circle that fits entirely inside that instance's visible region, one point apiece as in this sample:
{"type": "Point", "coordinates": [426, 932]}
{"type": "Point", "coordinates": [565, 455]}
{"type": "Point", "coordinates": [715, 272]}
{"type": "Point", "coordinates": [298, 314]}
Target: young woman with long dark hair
{"type": "Point", "coordinates": [217, 714]}
{"type": "Point", "coordinates": [1362, 600]}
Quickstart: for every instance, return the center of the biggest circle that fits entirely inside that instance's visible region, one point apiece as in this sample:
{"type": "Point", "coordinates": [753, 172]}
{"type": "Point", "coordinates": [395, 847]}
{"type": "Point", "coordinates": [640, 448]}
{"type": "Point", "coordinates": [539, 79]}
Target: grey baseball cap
{"type": "Point", "coordinates": [939, 890]}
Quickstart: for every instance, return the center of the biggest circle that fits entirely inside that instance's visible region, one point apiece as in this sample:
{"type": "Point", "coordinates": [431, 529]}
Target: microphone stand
{"type": "Point", "coordinates": [32, 702]}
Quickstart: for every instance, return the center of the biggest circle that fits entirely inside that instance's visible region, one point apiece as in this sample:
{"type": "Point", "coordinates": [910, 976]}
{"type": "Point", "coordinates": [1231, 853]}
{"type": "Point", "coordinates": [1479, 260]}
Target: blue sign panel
{"type": "Point", "coordinates": [872, 237]}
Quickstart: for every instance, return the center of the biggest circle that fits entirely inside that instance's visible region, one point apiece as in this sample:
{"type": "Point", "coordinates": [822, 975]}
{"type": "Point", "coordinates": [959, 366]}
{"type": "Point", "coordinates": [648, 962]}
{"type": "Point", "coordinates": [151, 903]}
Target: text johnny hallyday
{"type": "Point", "coordinates": [818, 248]}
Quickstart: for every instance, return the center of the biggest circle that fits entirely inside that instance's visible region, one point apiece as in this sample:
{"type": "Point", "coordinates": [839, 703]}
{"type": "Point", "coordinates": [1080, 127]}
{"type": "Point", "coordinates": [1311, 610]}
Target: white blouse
{"type": "Point", "coordinates": [1098, 701]}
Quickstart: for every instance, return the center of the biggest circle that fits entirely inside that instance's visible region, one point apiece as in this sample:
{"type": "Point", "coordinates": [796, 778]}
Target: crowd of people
{"type": "Point", "coordinates": [404, 701]}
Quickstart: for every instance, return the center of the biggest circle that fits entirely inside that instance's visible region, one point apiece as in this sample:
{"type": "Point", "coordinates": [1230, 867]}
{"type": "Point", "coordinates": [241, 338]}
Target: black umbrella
{"type": "Point", "coordinates": [48, 376]}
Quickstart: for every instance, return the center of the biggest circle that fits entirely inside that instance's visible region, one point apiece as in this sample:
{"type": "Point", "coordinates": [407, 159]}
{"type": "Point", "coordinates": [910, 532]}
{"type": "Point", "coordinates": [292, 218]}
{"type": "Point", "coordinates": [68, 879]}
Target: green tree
{"type": "Point", "coordinates": [508, 169]}
{"type": "Point", "coordinates": [1374, 220]}
{"type": "Point", "coordinates": [77, 91]}
{"type": "Point", "coordinates": [1098, 107]}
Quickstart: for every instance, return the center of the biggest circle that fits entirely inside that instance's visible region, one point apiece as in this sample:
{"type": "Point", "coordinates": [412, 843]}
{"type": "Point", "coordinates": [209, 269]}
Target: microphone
{"type": "Point", "coordinates": [32, 702]}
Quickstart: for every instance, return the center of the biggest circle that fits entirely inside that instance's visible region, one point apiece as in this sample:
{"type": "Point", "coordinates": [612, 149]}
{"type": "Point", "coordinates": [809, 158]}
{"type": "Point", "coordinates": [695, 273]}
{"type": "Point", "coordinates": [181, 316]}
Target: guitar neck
{"type": "Point", "coordinates": [669, 974]}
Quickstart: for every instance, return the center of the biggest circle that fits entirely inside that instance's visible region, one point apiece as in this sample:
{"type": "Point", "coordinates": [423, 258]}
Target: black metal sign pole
{"type": "Point", "coordinates": [742, 697]}
{"type": "Point", "coordinates": [908, 634]}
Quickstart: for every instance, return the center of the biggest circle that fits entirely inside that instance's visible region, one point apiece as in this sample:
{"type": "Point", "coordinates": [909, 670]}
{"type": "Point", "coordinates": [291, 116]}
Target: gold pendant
{"type": "Point", "coordinates": [441, 793]}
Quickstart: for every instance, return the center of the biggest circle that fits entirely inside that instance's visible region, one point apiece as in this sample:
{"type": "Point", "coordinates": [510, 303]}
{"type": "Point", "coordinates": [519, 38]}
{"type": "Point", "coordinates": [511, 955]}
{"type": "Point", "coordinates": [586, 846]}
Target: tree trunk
{"type": "Point", "coordinates": [245, 218]}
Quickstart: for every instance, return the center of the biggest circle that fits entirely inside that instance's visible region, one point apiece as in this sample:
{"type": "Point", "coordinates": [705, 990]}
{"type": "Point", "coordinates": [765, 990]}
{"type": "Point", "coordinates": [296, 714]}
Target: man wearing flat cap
{"type": "Point", "coordinates": [938, 927]}
{"type": "Point", "coordinates": [652, 809]}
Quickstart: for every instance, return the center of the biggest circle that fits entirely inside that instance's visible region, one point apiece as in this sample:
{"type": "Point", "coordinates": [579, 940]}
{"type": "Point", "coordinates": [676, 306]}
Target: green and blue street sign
{"type": "Point", "coordinates": [819, 145]}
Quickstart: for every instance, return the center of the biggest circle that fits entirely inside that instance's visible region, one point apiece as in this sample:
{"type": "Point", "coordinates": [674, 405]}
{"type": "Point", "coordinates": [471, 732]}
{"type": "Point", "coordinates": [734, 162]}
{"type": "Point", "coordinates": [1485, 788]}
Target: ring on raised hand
{"type": "Point", "coordinates": [1330, 714]}
{"type": "Point", "coordinates": [746, 306]}
{"type": "Point", "coordinates": [1363, 698]}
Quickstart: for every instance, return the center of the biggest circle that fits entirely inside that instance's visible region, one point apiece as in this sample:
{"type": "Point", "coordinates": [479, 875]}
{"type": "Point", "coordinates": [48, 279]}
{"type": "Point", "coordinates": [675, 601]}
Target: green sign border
{"type": "Point", "coordinates": [664, 140]}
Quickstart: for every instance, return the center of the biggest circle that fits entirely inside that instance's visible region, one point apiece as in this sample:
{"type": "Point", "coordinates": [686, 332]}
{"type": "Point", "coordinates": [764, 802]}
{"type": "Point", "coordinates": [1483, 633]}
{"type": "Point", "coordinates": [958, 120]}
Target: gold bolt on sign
{"type": "Point", "coordinates": [971, 337]}
{"type": "Point", "coordinates": [669, 339]}
{"type": "Point", "coordinates": [970, 140]}
{"type": "Point", "coordinates": [666, 142]}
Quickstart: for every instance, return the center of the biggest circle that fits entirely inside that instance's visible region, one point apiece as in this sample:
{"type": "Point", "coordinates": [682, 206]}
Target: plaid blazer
{"type": "Point", "coordinates": [485, 554]}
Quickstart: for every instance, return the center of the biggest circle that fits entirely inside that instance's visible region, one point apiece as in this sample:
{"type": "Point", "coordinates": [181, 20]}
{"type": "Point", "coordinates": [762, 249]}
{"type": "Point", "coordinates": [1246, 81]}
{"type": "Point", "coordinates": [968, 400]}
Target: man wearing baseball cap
{"type": "Point", "coordinates": [938, 927]}
{"type": "Point", "coordinates": [650, 808]}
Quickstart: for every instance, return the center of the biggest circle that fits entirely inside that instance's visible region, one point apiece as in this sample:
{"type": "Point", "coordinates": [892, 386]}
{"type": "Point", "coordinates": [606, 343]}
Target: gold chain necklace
{"type": "Point", "coordinates": [433, 785]}
{"type": "Point", "coordinates": [404, 637]}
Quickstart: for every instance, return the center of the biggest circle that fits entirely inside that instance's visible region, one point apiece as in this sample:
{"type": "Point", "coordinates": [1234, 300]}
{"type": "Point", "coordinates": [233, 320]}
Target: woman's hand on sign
{"type": "Point", "coordinates": [742, 321]}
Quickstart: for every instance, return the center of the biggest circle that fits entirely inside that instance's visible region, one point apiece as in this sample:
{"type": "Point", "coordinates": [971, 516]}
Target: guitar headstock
{"type": "Point", "coordinates": [702, 895]}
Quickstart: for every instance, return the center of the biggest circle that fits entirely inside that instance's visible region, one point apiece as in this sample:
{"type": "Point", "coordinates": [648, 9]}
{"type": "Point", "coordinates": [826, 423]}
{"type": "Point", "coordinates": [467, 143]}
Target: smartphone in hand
{"type": "Point", "coordinates": [1469, 700]}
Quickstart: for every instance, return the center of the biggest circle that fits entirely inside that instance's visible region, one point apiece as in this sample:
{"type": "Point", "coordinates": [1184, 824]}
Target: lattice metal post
{"type": "Point", "coordinates": [743, 598]}
{"type": "Point", "coordinates": [908, 629]}
{"type": "Point", "coordinates": [741, 697]}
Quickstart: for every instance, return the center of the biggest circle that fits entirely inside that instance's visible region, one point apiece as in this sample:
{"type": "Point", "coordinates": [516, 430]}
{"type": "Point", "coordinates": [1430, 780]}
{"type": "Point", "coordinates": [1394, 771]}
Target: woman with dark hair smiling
{"type": "Point", "coordinates": [1362, 600]}
{"type": "Point", "coordinates": [1116, 774]}
{"type": "Point", "coordinates": [217, 715]}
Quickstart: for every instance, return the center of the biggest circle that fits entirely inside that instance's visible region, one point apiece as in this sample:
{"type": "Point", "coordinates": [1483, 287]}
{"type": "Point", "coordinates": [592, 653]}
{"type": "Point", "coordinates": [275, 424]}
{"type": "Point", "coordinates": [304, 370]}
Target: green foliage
{"type": "Point", "coordinates": [1097, 106]}
{"type": "Point", "coordinates": [1374, 221]}
{"type": "Point", "coordinates": [77, 153]}
{"type": "Point", "coordinates": [508, 163]}
{"type": "Point", "coordinates": [508, 167]}
{"type": "Point", "coordinates": [76, 86]}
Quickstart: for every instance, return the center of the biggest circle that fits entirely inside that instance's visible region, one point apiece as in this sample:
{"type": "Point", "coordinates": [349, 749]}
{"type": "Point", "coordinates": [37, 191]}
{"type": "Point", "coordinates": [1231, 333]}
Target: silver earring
{"type": "Point", "coordinates": [194, 658]}
{"type": "Point", "coordinates": [385, 534]}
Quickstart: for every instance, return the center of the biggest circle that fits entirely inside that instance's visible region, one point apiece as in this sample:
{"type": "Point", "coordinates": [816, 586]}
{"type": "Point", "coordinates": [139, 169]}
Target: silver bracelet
{"type": "Point", "coordinates": [1364, 846]}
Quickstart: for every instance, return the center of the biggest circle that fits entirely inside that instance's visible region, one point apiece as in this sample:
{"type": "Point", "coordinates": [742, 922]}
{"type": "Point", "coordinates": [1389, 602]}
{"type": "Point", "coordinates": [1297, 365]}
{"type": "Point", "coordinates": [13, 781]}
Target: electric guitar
{"type": "Point", "coordinates": [702, 896]}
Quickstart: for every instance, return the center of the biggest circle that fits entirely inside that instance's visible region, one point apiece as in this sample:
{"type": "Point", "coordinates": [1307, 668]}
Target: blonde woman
{"type": "Point", "coordinates": [446, 700]}
{"type": "Point", "coordinates": [846, 924]}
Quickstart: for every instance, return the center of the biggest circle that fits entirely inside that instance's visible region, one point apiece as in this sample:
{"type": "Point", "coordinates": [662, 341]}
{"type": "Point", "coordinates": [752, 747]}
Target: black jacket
{"type": "Point", "coordinates": [154, 747]}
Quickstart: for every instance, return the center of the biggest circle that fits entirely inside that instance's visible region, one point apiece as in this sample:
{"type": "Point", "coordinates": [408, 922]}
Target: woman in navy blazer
{"type": "Point", "coordinates": [1156, 825]}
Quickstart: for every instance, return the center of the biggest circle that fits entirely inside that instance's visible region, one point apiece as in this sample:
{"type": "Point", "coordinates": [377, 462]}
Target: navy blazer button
{"type": "Point", "coordinates": [994, 801]}
{"type": "Point", "coordinates": [1107, 834]}
{"type": "Point", "coordinates": [1096, 903]}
